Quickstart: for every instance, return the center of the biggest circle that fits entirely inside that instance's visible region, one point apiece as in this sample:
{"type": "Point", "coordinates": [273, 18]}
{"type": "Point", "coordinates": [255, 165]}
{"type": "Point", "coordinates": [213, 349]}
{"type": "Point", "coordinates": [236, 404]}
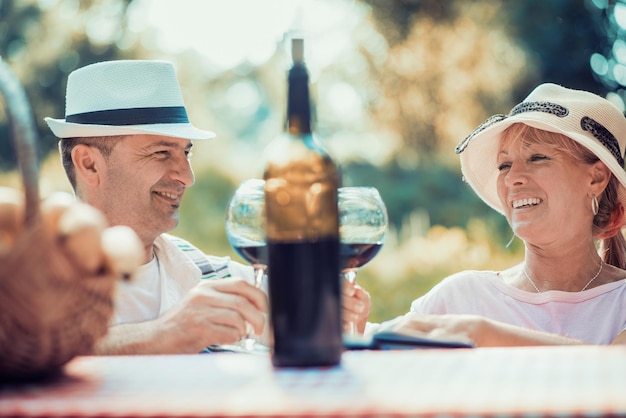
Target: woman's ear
{"type": "Point", "coordinates": [88, 163]}
{"type": "Point", "coordinates": [600, 177]}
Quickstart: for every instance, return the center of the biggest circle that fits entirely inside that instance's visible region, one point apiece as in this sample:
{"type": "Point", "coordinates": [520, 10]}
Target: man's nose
{"type": "Point", "coordinates": [183, 172]}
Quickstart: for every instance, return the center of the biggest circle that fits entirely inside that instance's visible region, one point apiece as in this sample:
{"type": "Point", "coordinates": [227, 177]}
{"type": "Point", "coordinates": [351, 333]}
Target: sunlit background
{"type": "Point", "coordinates": [396, 83]}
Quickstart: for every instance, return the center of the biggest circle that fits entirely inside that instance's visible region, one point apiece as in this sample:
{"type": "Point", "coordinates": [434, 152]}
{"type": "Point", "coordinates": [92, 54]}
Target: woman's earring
{"type": "Point", "coordinates": [595, 206]}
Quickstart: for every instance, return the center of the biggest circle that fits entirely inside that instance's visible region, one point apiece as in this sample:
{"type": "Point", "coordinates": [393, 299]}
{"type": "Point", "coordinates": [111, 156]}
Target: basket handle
{"type": "Point", "coordinates": [22, 128]}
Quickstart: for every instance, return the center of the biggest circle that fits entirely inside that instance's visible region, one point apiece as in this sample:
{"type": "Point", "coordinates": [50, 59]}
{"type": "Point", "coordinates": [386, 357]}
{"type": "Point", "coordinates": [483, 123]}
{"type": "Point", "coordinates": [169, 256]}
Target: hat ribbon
{"type": "Point", "coordinates": [131, 116]}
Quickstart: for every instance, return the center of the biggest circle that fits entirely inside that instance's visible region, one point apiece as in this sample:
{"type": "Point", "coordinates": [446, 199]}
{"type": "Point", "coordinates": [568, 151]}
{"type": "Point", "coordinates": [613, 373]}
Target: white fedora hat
{"type": "Point", "coordinates": [586, 118]}
{"type": "Point", "coordinates": [125, 97]}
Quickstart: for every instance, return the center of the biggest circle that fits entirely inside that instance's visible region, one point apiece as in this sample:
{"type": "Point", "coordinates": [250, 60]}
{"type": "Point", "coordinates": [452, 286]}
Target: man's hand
{"type": "Point", "coordinates": [213, 312]}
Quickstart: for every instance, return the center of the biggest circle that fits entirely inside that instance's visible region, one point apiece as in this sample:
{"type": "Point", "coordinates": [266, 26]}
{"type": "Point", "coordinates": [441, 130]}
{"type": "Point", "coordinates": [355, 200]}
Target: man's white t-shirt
{"type": "Point", "coordinates": [139, 300]}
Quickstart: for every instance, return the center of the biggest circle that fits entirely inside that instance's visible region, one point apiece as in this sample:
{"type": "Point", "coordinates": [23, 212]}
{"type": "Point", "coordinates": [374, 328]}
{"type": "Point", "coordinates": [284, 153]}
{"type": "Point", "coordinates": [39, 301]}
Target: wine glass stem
{"type": "Point", "coordinates": [249, 342]}
{"type": "Point", "coordinates": [350, 276]}
{"type": "Point", "coordinates": [259, 273]}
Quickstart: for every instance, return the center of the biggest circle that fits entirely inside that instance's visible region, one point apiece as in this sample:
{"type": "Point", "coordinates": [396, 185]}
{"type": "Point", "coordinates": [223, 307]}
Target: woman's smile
{"type": "Point", "coordinates": [525, 203]}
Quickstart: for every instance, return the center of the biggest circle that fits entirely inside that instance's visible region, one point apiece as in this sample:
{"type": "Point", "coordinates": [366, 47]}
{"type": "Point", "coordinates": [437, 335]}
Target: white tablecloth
{"type": "Point", "coordinates": [563, 381]}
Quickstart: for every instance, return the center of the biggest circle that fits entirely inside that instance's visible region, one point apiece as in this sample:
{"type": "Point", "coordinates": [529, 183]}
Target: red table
{"type": "Point", "coordinates": [557, 381]}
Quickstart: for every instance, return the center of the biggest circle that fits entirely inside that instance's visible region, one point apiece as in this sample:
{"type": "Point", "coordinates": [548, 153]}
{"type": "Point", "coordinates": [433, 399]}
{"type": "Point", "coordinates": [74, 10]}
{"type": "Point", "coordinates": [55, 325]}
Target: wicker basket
{"type": "Point", "coordinates": [50, 309]}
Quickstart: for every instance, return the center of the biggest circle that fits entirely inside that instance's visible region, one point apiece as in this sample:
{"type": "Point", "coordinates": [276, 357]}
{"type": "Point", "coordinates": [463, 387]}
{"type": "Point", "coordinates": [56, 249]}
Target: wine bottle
{"type": "Point", "coordinates": [302, 233]}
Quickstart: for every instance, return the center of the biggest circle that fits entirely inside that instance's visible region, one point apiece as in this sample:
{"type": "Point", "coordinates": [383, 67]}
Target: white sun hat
{"type": "Point", "coordinates": [125, 97]}
{"type": "Point", "coordinates": [584, 117]}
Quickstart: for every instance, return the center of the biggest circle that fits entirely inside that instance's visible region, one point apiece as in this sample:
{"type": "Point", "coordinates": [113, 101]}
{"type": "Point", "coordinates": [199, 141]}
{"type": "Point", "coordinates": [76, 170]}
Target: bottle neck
{"type": "Point", "coordinates": [298, 101]}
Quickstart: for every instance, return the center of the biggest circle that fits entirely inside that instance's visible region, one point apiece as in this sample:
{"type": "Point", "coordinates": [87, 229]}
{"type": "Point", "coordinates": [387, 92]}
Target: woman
{"type": "Point", "coordinates": [554, 167]}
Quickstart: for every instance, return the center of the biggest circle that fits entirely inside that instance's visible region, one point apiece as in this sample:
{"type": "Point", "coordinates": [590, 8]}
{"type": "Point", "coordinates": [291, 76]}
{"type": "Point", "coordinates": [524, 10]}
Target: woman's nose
{"type": "Point", "coordinates": [515, 176]}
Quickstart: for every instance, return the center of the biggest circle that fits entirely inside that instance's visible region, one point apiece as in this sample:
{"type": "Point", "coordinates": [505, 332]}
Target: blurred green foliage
{"type": "Point", "coordinates": [208, 201]}
{"type": "Point", "coordinates": [43, 42]}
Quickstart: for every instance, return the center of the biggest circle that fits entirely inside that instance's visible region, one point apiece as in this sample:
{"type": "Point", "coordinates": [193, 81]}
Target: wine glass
{"type": "Point", "coordinates": [362, 229]}
{"type": "Point", "coordinates": [245, 229]}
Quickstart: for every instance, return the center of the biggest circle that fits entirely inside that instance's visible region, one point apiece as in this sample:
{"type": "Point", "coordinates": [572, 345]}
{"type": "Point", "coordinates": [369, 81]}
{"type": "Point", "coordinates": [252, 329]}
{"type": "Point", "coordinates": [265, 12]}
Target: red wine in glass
{"type": "Point", "coordinates": [363, 226]}
{"type": "Point", "coordinates": [357, 255]}
{"type": "Point", "coordinates": [253, 254]}
{"type": "Point", "coordinates": [246, 234]}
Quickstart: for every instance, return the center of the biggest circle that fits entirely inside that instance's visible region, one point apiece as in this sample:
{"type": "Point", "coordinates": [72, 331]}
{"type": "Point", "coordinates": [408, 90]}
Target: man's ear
{"type": "Point", "coordinates": [88, 163]}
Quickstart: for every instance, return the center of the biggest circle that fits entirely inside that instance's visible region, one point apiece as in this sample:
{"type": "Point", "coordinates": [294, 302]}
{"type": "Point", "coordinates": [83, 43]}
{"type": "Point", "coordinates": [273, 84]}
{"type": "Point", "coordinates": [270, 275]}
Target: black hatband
{"type": "Point", "coordinates": [133, 116]}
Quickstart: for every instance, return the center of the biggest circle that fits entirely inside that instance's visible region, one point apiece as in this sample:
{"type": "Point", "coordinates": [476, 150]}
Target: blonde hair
{"type": "Point", "coordinates": [612, 245]}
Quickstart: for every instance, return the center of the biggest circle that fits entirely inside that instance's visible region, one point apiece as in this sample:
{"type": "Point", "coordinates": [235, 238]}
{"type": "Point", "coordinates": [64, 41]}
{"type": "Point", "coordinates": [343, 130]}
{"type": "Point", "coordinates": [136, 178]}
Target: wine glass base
{"type": "Point", "coordinates": [245, 346]}
{"type": "Point", "coordinates": [252, 346]}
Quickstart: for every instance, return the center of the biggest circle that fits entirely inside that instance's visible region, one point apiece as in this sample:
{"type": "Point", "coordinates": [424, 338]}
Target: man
{"type": "Point", "coordinates": [125, 144]}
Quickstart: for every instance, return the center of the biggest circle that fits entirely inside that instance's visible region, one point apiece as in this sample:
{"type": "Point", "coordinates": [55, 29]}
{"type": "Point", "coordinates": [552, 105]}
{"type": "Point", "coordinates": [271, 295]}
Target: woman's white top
{"type": "Point", "coordinates": [596, 315]}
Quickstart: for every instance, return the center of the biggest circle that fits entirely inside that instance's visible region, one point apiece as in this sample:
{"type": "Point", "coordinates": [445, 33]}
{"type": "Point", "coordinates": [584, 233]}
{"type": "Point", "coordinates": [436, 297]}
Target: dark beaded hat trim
{"type": "Point", "coordinates": [595, 128]}
{"type": "Point", "coordinates": [603, 135]}
{"type": "Point", "coordinates": [546, 107]}
{"type": "Point", "coordinates": [494, 119]}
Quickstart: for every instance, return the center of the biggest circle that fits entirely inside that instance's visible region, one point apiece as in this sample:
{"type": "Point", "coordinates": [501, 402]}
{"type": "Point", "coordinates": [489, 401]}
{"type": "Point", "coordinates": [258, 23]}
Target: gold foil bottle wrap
{"type": "Point", "coordinates": [301, 197]}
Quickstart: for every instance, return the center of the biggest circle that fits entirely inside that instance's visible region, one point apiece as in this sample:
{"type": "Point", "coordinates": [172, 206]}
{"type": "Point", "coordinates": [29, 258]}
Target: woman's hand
{"type": "Point", "coordinates": [356, 306]}
{"type": "Point", "coordinates": [466, 328]}
{"type": "Point", "coordinates": [475, 329]}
